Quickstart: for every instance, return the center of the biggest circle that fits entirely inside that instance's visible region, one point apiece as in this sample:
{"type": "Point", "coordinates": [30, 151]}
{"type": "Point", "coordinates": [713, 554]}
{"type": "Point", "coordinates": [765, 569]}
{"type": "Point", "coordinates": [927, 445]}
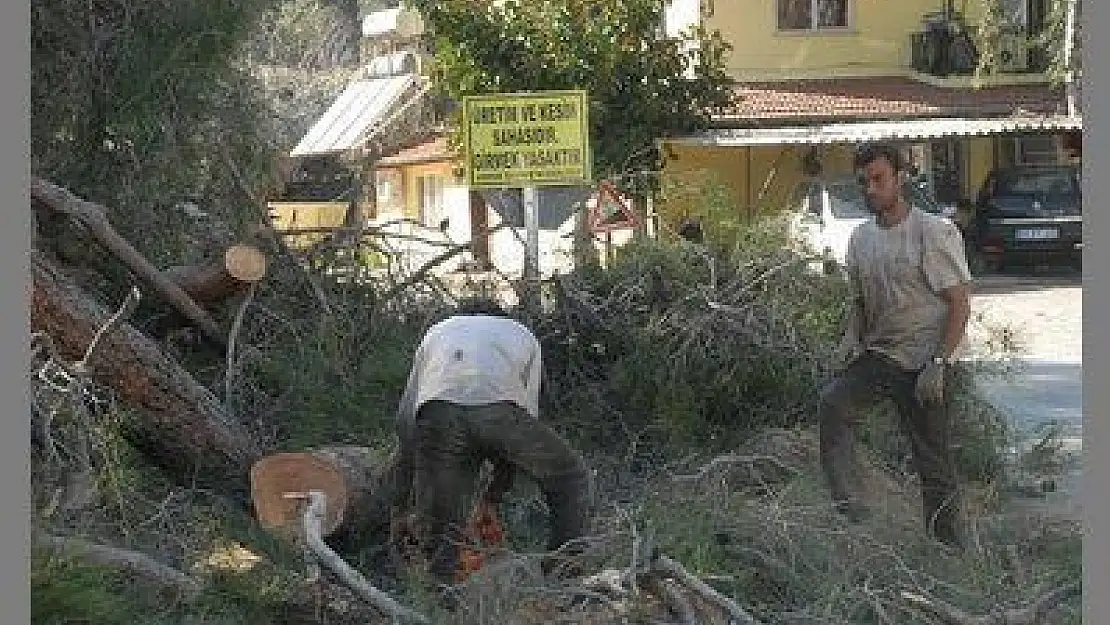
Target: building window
{"type": "Point", "coordinates": [1037, 150]}
{"type": "Point", "coordinates": [388, 192]}
{"type": "Point", "coordinates": [809, 15]}
{"type": "Point", "coordinates": [1072, 145]}
{"type": "Point", "coordinates": [431, 201]}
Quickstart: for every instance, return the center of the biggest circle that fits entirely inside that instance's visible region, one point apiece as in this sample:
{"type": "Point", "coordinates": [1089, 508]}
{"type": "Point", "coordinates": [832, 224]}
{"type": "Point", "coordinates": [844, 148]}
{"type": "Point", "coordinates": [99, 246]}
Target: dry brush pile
{"type": "Point", "coordinates": [686, 374]}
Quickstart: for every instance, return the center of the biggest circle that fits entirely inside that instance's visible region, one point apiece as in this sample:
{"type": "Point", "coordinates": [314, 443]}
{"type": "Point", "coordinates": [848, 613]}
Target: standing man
{"type": "Point", "coordinates": [911, 302]}
{"type": "Point", "coordinates": [473, 395]}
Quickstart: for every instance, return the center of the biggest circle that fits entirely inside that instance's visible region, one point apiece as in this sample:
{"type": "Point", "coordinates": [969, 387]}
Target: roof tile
{"type": "Point", "coordinates": [430, 149]}
{"type": "Point", "coordinates": [883, 98]}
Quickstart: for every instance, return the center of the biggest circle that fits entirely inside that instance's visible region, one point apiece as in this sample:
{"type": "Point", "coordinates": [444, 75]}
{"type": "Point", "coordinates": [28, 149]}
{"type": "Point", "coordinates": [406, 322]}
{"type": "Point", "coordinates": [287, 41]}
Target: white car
{"type": "Point", "coordinates": [825, 212]}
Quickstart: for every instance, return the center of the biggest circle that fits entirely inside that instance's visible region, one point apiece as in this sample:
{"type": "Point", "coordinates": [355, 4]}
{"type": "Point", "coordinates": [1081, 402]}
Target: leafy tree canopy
{"type": "Point", "coordinates": [1053, 38]}
{"type": "Point", "coordinates": [642, 85]}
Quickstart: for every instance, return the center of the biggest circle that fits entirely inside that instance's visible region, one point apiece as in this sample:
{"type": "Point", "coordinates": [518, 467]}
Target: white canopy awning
{"type": "Point", "coordinates": [855, 132]}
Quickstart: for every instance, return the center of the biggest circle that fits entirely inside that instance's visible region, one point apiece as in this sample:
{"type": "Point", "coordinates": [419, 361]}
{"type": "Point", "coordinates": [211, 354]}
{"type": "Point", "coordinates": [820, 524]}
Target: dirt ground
{"type": "Point", "coordinates": [1048, 310]}
{"type": "Point", "coordinates": [1047, 313]}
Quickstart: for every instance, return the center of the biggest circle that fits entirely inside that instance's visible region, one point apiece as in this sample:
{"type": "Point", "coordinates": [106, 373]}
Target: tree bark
{"type": "Point", "coordinates": [183, 424]}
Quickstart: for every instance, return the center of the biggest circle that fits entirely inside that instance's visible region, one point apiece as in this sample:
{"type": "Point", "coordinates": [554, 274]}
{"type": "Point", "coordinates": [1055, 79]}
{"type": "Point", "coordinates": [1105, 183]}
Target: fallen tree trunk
{"type": "Point", "coordinates": [184, 426]}
{"type": "Point", "coordinates": [359, 484]}
{"type": "Point", "coordinates": [94, 219]}
{"type": "Point", "coordinates": [238, 268]}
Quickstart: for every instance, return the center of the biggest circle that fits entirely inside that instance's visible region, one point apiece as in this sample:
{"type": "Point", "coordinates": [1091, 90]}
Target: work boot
{"type": "Point", "coordinates": [570, 502]}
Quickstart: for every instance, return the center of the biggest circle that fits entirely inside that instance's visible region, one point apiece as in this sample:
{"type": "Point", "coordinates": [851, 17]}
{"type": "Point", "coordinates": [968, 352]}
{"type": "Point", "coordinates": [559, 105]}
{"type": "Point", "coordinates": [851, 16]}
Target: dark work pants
{"type": "Point", "coordinates": [451, 441]}
{"type": "Point", "coordinates": [869, 378]}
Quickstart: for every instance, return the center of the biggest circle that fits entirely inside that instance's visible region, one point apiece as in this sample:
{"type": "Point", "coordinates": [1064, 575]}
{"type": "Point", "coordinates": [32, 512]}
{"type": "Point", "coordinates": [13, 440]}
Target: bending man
{"type": "Point", "coordinates": [473, 395]}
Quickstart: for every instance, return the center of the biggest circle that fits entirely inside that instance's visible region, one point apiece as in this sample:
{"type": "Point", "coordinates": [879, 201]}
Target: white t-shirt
{"type": "Point", "coordinates": [474, 360]}
{"type": "Point", "coordinates": [900, 273]}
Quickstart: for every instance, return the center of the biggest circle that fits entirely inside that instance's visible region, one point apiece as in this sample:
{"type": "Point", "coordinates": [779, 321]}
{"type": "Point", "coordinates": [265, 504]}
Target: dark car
{"type": "Point", "coordinates": [1029, 215]}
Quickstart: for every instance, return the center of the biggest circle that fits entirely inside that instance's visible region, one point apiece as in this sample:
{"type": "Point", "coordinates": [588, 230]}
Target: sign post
{"type": "Point", "coordinates": [525, 141]}
{"type": "Point", "coordinates": [530, 204]}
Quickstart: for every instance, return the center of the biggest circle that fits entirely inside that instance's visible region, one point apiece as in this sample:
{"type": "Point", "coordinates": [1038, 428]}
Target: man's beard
{"type": "Point", "coordinates": [870, 204]}
{"type": "Point", "coordinates": [874, 207]}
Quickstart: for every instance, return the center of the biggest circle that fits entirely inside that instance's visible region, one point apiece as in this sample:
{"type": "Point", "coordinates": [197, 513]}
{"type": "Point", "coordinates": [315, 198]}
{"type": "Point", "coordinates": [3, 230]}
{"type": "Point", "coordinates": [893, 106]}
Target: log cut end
{"type": "Point", "coordinates": [275, 475]}
{"type": "Point", "coordinates": [245, 263]}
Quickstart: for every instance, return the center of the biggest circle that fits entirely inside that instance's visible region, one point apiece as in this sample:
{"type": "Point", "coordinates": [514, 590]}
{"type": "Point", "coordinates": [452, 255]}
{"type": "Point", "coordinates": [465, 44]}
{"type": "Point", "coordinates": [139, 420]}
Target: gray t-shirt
{"type": "Point", "coordinates": [899, 274]}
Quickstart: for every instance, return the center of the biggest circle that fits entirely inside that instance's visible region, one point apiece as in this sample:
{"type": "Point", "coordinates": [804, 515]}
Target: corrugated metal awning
{"type": "Point", "coordinates": [854, 132]}
{"type": "Point", "coordinates": [361, 105]}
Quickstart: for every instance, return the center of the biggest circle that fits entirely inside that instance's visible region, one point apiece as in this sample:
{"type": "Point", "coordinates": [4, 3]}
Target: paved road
{"type": "Point", "coordinates": [1047, 315]}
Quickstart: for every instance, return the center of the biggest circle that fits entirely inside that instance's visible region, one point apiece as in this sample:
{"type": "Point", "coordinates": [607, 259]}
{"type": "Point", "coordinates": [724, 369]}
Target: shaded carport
{"type": "Point", "coordinates": [819, 135]}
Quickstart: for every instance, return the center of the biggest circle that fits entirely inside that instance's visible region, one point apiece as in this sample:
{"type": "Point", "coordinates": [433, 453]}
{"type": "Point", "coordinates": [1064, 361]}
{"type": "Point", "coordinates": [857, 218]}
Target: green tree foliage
{"type": "Point", "coordinates": [139, 105]}
{"type": "Point", "coordinates": [614, 49]}
{"type": "Point", "coordinates": [310, 34]}
{"type": "Point", "coordinates": [1052, 38]}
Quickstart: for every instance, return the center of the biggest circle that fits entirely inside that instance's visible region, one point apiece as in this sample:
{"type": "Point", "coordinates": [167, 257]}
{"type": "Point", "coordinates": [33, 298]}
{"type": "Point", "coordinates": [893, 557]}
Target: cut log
{"type": "Point", "coordinates": [94, 219]}
{"type": "Point", "coordinates": [184, 426]}
{"type": "Point", "coordinates": [240, 266]}
{"type": "Point", "coordinates": [359, 483]}
{"type": "Point", "coordinates": [274, 477]}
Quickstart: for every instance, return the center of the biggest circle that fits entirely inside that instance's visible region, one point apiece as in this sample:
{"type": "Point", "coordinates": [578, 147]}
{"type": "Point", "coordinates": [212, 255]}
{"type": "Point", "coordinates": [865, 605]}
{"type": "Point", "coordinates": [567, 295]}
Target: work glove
{"type": "Point", "coordinates": [929, 389]}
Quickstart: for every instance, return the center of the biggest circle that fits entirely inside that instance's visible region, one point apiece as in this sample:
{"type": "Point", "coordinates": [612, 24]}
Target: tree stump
{"type": "Point", "coordinates": [359, 483]}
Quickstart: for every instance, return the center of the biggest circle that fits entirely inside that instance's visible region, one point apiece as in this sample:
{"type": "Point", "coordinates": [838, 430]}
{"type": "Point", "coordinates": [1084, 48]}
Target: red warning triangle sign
{"type": "Point", "coordinates": [612, 210]}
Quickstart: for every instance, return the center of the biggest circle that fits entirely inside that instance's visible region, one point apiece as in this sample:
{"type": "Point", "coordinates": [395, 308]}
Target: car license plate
{"type": "Point", "coordinates": [1037, 234]}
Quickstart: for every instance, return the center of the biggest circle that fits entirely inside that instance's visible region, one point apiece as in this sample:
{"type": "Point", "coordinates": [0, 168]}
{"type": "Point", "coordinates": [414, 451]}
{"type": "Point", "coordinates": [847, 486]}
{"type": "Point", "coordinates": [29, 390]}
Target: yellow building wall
{"type": "Point", "coordinates": [753, 181]}
{"type": "Point", "coordinates": [980, 161]}
{"type": "Point", "coordinates": [695, 176]}
{"type": "Point", "coordinates": [410, 182]}
{"type": "Point", "coordinates": [877, 42]}
{"type": "Point", "coordinates": [295, 215]}
{"type": "Point", "coordinates": [761, 180]}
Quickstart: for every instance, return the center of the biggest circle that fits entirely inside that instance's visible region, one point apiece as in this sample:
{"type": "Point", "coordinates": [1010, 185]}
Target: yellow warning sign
{"type": "Point", "coordinates": [526, 139]}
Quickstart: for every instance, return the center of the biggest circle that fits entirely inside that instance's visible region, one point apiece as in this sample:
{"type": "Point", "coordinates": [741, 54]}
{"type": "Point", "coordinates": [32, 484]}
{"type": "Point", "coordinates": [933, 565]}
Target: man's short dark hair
{"type": "Point", "coordinates": [690, 229]}
{"type": "Point", "coordinates": [870, 152]}
{"type": "Point", "coordinates": [480, 306]}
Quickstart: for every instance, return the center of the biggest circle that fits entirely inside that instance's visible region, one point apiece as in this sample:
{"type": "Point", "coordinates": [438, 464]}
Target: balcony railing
{"type": "Point", "coordinates": [942, 51]}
